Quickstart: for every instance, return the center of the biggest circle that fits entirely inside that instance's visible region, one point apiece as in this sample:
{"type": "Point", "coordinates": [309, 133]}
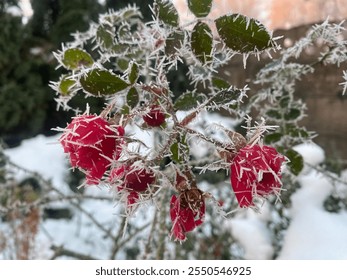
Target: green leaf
{"type": "Point", "coordinates": [134, 73]}
{"type": "Point", "coordinates": [296, 163]}
{"type": "Point", "coordinates": [130, 13]}
{"type": "Point", "coordinates": [297, 132]}
{"type": "Point", "coordinates": [120, 48]}
{"type": "Point", "coordinates": [166, 12]}
{"type": "Point", "coordinates": [188, 100]}
{"type": "Point", "coordinates": [123, 32]}
{"type": "Point", "coordinates": [76, 58]}
{"type": "Point", "coordinates": [200, 8]}
{"type": "Point", "coordinates": [174, 42]}
{"type": "Point", "coordinates": [225, 96]}
{"type": "Point", "coordinates": [293, 114]}
{"type": "Point", "coordinates": [105, 36]}
{"type": "Point", "coordinates": [132, 98]}
{"type": "Point", "coordinates": [123, 64]}
{"type": "Point", "coordinates": [175, 153]}
{"type": "Point", "coordinates": [284, 102]}
{"type": "Point", "coordinates": [201, 42]}
{"type": "Point", "coordinates": [65, 86]}
{"type": "Point", "coordinates": [102, 82]}
{"type": "Point", "coordinates": [125, 110]}
{"type": "Point", "coordinates": [275, 114]}
{"type": "Point", "coordinates": [220, 83]}
{"type": "Point", "coordinates": [272, 137]}
{"type": "Point", "coordinates": [179, 149]}
{"type": "Point", "coordinates": [243, 34]}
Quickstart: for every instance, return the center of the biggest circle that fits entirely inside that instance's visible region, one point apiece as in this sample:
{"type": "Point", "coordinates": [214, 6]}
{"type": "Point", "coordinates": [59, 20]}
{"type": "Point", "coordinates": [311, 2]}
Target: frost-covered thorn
{"type": "Point", "coordinates": [344, 84]}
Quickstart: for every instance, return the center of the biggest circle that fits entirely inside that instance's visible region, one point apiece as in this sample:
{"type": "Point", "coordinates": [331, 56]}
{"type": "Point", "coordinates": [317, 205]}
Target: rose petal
{"type": "Point", "coordinates": [255, 170]}
{"type": "Point", "coordinates": [174, 208]}
{"type": "Point", "coordinates": [132, 198]}
{"type": "Point", "coordinates": [201, 215]}
{"type": "Point", "coordinates": [186, 218]}
{"type": "Point", "coordinates": [242, 179]}
{"type": "Point", "coordinates": [178, 231]}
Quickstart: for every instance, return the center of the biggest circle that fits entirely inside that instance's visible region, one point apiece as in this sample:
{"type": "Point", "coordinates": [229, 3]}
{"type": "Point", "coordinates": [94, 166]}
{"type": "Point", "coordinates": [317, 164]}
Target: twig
{"type": "Point", "coordinates": [162, 228]}
{"type": "Point", "coordinates": [61, 251]}
{"type": "Point", "coordinates": [148, 246]}
{"type": "Point", "coordinates": [116, 240]}
{"type": "Point", "coordinates": [327, 173]}
{"type": "Point", "coordinates": [46, 200]}
{"type": "Point", "coordinates": [126, 240]}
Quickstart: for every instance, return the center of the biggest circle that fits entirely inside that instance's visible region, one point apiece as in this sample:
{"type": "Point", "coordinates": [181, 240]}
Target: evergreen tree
{"type": "Point", "coordinates": [22, 96]}
{"type": "Point", "coordinates": [143, 6]}
{"type": "Point", "coordinates": [27, 105]}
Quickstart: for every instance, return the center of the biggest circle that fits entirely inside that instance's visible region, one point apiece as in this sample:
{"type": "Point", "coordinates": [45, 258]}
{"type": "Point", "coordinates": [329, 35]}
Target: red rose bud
{"type": "Point", "coordinates": [255, 171]}
{"type": "Point", "coordinates": [132, 184]}
{"type": "Point", "coordinates": [138, 179]}
{"type": "Point", "coordinates": [155, 117]}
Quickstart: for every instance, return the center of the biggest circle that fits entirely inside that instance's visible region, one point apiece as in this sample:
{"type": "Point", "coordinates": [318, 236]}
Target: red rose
{"type": "Point", "coordinates": [133, 181]}
{"type": "Point", "coordinates": [184, 218]}
{"type": "Point", "coordinates": [255, 171]}
{"type": "Point", "coordinates": [138, 179]}
{"type": "Point", "coordinates": [155, 117]}
{"type": "Point", "coordinates": [134, 178]}
{"type": "Point", "coordinates": [91, 143]}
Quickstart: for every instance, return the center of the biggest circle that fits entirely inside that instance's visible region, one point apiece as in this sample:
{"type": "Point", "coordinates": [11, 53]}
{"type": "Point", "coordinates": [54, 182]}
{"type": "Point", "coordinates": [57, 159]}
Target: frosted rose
{"type": "Point", "coordinates": [90, 143]}
{"type": "Point", "coordinates": [255, 171]}
{"type": "Point", "coordinates": [155, 117]}
{"type": "Point", "coordinates": [133, 181]}
{"type": "Point", "coordinates": [185, 218]}
{"type": "Point", "coordinates": [138, 179]}
{"type": "Point", "coordinates": [133, 178]}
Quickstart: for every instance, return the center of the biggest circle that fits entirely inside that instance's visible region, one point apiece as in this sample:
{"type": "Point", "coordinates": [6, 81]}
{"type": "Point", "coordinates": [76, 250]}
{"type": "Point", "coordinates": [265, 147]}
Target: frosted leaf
{"type": "Point", "coordinates": [243, 34]}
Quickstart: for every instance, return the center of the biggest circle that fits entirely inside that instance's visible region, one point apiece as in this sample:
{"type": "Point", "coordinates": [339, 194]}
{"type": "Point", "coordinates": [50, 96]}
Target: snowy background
{"type": "Point", "coordinates": [313, 232]}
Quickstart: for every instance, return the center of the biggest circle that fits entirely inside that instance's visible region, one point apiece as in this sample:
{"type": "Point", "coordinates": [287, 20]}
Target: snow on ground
{"type": "Point", "coordinates": [312, 234]}
{"type": "Point", "coordinates": [249, 228]}
{"type": "Point", "coordinates": [43, 155]}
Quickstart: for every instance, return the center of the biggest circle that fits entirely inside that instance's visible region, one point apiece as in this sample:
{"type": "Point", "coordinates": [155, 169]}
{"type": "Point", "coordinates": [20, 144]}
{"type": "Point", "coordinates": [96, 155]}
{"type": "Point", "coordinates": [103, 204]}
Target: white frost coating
{"type": "Point", "coordinates": [344, 84]}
